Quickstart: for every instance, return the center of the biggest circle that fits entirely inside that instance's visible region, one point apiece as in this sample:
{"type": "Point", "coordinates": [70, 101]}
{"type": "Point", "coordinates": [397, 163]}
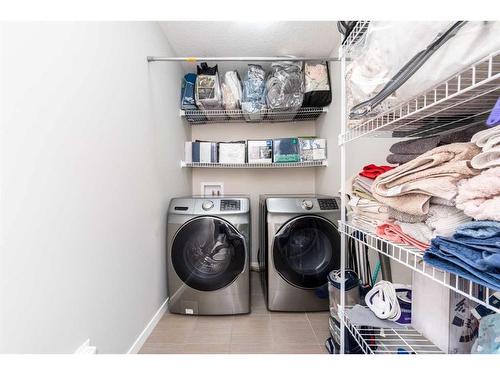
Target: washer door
{"type": "Point", "coordinates": [305, 250]}
{"type": "Point", "coordinates": [208, 253]}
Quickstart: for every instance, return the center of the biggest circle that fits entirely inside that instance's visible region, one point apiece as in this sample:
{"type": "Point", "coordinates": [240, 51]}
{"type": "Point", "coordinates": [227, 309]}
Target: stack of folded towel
{"type": "Point", "coordinates": [409, 187]}
{"type": "Point", "coordinates": [473, 252]}
{"type": "Point", "coordinates": [479, 196]}
{"type": "Point", "coordinates": [489, 141]}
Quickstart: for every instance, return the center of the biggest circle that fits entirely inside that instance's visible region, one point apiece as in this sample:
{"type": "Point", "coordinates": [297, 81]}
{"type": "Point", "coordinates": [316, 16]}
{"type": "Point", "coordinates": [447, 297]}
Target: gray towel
{"type": "Point", "coordinates": [400, 158]}
{"type": "Point", "coordinates": [416, 146]}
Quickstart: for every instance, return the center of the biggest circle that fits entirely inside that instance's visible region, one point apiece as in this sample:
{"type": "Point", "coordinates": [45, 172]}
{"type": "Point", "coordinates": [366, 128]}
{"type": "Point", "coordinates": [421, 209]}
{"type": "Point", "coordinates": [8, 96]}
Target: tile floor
{"type": "Point", "coordinates": [259, 332]}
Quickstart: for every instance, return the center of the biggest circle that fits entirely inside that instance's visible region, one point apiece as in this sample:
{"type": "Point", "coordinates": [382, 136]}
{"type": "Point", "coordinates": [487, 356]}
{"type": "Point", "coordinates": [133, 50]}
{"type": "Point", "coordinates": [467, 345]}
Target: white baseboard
{"type": "Point", "coordinates": [141, 339]}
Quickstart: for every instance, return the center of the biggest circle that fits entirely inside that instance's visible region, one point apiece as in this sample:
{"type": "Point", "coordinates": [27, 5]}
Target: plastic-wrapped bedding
{"type": "Point", "coordinates": [231, 90]}
{"type": "Point", "coordinates": [388, 46]}
{"type": "Point", "coordinates": [317, 89]}
{"type": "Point", "coordinates": [207, 90]}
{"type": "Point", "coordinates": [285, 86]}
{"type": "Point", "coordinates": [254, 92]}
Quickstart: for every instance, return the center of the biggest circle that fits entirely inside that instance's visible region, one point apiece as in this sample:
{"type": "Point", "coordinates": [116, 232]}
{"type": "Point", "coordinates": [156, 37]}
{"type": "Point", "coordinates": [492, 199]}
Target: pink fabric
{"type": "Point", "coordinates": [393, 233]}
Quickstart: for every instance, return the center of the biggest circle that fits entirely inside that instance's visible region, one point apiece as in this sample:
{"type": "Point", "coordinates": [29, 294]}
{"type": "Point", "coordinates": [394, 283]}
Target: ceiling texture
{"type": "Point", "coordinates": [251, 39]}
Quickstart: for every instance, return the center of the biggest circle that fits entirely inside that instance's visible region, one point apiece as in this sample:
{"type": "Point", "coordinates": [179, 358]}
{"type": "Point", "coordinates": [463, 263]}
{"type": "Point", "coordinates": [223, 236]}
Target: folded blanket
{"type": "Point", "coordinates": [394, 233]}
{"type": "Point", "coordinates": [463, 261]}
{"type": "Point", "coordinates": [479, 229]}
{"type": "Point", "coordinates": [479, 196]}
{"type": "Point", "coordinates": [408, 188]}
{"type": "Point", "coordinates": [487, 159]}
{"type": "Point", "coordinates": [372, 171]}
{"type": "Point", "coordinates": [483, 137]}
{"type": "Point", "coordinates": [443, 220]}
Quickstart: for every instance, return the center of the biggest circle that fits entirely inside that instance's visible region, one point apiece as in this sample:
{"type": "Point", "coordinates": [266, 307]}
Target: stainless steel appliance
{"type": "Point", "coordinates": [208, 255]}
{"type": "Point", "coordinates": [299, 246]}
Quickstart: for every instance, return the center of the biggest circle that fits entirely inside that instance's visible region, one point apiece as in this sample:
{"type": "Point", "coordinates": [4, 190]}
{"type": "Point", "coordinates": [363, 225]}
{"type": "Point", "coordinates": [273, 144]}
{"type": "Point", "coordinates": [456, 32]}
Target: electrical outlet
{"type": "Point", "coordinates": [212, 189]}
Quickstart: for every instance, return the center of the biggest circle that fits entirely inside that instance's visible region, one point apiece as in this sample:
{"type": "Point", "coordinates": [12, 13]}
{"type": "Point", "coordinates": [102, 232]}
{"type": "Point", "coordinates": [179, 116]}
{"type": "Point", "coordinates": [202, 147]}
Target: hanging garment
{"type": "Point", "coordinates": [409, 187]}
{"type": "Point", "coordinates": [285, 86]}
{"type": "Point", "coordinates": [317, 91]}
{"type": "Point", "coordinates": [479, 196]}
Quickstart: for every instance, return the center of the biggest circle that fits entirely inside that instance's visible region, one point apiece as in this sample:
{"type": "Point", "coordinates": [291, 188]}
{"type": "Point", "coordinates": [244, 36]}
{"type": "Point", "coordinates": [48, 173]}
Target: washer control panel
{"type": "Point", "coordinates": [307, 204]}
{"type": "Point", "coordinates": [328, 204]}
{"type": "Point", "coordinates": [230, 205]}
{"type": "Point", "coordinates": [207, 205]}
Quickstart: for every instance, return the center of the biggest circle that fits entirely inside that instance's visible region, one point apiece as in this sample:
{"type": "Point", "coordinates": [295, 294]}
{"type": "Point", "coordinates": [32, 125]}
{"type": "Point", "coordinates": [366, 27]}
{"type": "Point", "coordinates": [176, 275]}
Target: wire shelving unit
{"type": "Point", "coordinates": [302, 164]}
{"type": "Point", "coordinates": [204, 117]}
{"type": "Point", "coordinates": [457, 102]}
{"type": "Point", "coordinates": [374, 340]}
{"type": "Point", "coordinates": [412, 258]}
{"type": "Point", "coordinates": [465, 98]}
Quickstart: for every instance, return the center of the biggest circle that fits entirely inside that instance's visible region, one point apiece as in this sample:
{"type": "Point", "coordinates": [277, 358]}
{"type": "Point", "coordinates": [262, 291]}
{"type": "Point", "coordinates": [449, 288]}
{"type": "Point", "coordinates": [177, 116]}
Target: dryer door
{"type": "Point", "coordinates": [208, 253]}
{"type": "Point", "coordinates": [305, 250]}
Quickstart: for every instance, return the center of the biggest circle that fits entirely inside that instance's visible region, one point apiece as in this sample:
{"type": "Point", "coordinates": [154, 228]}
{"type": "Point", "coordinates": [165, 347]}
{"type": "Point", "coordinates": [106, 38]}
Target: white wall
{"type": "Point", "coordinates": [90, 141]}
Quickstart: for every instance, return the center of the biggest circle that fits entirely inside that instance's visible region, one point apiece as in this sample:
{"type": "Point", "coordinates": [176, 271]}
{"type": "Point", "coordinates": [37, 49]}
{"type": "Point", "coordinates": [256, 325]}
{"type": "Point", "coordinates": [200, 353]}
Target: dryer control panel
{"type": "Point", "coordinates": [328, 204]}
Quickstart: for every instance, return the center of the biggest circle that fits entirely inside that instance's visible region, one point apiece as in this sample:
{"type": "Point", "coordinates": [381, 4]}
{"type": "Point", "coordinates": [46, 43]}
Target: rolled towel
{"type": "Point", "coordinates": [487, 159]}
{"type": "Point", "coordinates": [409, 187]}
{"type": "Point", "coordinates": [479, 196]}
{"type": "Point", "coordinates": [443, 220]}
{"type": "Point", "coordinates": [481, 138]}
{"type": "Point", "coordinates": [394, 233]}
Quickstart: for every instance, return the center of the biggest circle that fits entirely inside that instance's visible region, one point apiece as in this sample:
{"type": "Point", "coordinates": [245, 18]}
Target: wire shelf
{"type": "Point", "coordinates": [203, 117]}
{"type": "Point", "coordinates": [412, 258]}
{"type": "Point", "coordinates": [355, 36]}
{"type": "Point", "coordinates": [373, 340]}
{"type": "Point", "coordinates": [302, 164]}
{"type": "Point", "coordinates": [465, 98]}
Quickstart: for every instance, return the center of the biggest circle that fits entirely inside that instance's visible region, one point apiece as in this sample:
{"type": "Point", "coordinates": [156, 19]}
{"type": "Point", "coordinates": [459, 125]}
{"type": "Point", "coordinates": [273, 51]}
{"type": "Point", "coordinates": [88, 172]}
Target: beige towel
{"type": "Point", "coordinates": [409, 187]}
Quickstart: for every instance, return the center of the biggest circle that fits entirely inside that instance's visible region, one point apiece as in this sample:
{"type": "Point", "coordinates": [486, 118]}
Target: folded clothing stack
{"type": "Point", "coordinates": [409, 187]}
{"type": "Point", "coordinates": [473, 252]}
{"type": "Point", "coordinates": [405, 151]}
{"type": "Point", "coordinates": [489, 141]}
{"type": "Point", "coordinates": [479, 196]}
{"type": "Point", "coordinates": [393, 232]}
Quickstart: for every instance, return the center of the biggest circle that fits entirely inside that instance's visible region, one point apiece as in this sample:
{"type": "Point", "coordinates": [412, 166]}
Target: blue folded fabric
{"type": "Point", "coordinates": [464, 261]}
{"type": "Point", "coordinates": [435, 261]}
{"type": "Point", "coordinates": [479, 229]}
{"type": "Point", "coordinates": [491, 244]}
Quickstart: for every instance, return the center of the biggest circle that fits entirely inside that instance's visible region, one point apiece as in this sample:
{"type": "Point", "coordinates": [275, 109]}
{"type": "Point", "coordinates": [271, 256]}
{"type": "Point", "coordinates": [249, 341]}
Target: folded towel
{"type": "Point", "coordinates": [443, 202]}
{"type": "Point", "coordinates": [461, 135]}
{"type": "Point", "coordinates": [443, 220]}
{"type": "Point", "coordinates": [438, 260]}
{"type": "Point", "coordinates": [372, 171]}
{"type": "Point", "coordinates": [479, 196]}
{"type": "Point", "coordinates": [363, 222]}
{"type": "Point", "coordinates": [487, 159]}
{"type": "Point", "coordinates": [490, 245]}
{"type": "Point", "coordinates": [368, 206]}
{"type": "Point", "coordinates": [415, 146]}
{"type": "Point", "coordinates": [400, 158]}
{"type": "Point", "coordinates": [481, 138]}
{"type": "Point", "coordinates": [394, 233]}
{"type": "Point", "coordinates": [405, 217]}
{"type": "Point", "coordinates": [419, 231]}
{"type": "Point", "coordinates": [479, 229]}
{"type": "Point", "coordinates": [408, 188]}
{"type": "Point", "coordinates": [492, 142]}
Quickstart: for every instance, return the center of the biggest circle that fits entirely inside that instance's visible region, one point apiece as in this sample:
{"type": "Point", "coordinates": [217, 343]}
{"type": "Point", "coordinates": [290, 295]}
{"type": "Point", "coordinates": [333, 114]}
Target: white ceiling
{"type": "Point", "coordinates": [217, 39]}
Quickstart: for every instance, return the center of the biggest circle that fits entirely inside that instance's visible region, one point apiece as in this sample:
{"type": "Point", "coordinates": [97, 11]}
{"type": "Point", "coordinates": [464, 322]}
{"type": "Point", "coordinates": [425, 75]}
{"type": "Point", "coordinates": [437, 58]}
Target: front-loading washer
{"type": "Point", "coordinates": [299, 246]}
{"type": "Point", "coordinates": [208, 255]}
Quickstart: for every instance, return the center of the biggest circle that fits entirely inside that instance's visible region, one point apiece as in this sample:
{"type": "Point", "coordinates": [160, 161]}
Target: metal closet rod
{"type": "Point", "coordinates": [243, 59]}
